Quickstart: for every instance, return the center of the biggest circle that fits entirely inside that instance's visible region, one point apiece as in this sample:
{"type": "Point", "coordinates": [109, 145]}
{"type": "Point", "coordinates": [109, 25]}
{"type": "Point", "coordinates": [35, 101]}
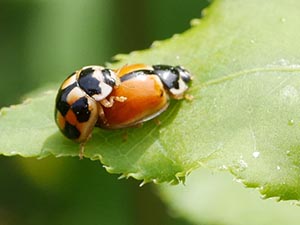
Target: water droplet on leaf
{"type": "Point", "coordinates": [256, 154]}
{"type": "Point", "coordinates": [278, 167]}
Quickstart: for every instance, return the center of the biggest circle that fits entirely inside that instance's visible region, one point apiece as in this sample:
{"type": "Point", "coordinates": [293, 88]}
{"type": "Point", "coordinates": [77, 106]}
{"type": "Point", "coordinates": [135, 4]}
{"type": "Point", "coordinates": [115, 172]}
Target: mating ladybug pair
{"type": "Point", "coordinates": [112, 99]}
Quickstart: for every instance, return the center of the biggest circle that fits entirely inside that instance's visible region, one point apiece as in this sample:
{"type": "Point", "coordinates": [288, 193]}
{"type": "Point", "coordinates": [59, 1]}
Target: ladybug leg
{"type": "Point", "coordinates": [119, 98]}
{"type": "Point", "coordinates": [157, 121]}
{"type": "Point", "coordinates": [188, 97]}
{"type": "Point", "coordinates": [82, 145]}
{"type": "Point", "coordinates": [101, 114]}
{"type": "Point", "coordinates": [110, 102]}
{"type": "Point", "coordinates": [107, 103]}
{"type": "Point", "coordinates": [81, 151]}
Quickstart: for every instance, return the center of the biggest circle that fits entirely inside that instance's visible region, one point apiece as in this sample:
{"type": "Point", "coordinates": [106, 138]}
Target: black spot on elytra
{"type": "Point", "coordinates": [169, 75]}
{"type": "Point", "coordinates": [88, 83]}
{"type": "Point", "coordinates": [86, 72]}
{"type": "Point", "coordinates": [107, 77]}
{"type": "Point", "coordinates": [71, 131]}
{"type": "Point", "coordinates": [81, 109]}
{"type": "Point", "coordinates": [184, 74]}
{"type": "Point", "coordinates": [61, 99]}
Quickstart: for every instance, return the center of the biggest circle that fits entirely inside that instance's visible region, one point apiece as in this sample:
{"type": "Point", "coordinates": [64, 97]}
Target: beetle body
{"type": "Point", "coordinates": [78, 100]}
{"type": "Point", "coordinates": [113, 99]}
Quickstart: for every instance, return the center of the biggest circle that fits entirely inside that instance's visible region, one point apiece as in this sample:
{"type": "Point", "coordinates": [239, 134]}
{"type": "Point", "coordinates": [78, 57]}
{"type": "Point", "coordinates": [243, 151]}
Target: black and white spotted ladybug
{"type": "Point", "coordinates": [112, 99]}
{"type": "Point", "coordinates": [79, 99]}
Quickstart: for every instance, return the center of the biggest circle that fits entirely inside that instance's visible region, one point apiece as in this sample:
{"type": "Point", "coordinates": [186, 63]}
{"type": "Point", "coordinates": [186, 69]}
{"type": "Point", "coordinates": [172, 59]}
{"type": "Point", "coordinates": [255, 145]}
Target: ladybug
{"type": "Point", "coordinates": [80, 98]}
{"type": "Point", "coordinates": [95, 96]}
{"type": "Point", "coordinates": [147, 90]}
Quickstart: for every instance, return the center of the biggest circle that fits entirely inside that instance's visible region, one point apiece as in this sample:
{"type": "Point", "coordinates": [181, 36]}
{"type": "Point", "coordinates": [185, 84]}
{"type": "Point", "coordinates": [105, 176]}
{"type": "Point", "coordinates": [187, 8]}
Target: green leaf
{"type": "Point", "coordinates": [212, 198]}
{"type": "Point", "coordinates": [244, 117]}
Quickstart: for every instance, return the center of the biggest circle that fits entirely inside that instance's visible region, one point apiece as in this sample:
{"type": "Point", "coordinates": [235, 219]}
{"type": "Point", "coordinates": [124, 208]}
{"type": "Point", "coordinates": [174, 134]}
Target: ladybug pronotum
{"type": "Point", "coordinates": [113, 99]}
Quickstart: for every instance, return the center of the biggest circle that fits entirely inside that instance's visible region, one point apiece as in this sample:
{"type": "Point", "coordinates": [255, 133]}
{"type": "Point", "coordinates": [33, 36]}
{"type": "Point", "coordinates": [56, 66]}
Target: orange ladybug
{"type": "Point", "coordinates": [147, 90]}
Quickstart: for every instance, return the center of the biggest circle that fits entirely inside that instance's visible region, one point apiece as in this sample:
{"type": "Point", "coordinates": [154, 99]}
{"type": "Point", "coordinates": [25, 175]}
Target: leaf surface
{"type": "Point", "coordinates": [212, 198]}
{"type": "Point", "coordinates": [244, 118]}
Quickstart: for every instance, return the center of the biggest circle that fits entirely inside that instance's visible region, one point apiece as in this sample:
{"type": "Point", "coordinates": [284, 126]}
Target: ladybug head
{"type": "Point", "coordinates": [175, 79]}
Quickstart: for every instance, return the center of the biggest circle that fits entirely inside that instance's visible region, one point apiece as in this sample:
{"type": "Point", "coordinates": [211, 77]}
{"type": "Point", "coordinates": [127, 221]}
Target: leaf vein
{"type": "Point", "coordinates": [291, 69]}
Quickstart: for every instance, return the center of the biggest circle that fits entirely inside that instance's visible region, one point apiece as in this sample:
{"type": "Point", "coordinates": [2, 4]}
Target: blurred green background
{"type": "Point", "coordinates": [42, 41]}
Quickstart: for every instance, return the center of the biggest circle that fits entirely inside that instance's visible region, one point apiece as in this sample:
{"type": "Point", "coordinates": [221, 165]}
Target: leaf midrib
{"type": "Point", "coordinates": [231, 76]}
